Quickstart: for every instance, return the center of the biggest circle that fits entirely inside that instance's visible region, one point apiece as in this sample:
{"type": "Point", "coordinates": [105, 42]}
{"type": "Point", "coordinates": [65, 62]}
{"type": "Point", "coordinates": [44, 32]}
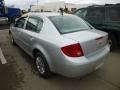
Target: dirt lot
{"type": "Point", "coordinates": [20, 73]}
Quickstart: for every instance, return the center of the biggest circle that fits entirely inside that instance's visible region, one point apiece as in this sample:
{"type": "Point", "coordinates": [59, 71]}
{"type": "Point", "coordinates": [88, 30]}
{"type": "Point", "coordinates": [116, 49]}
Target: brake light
{"type": "Point", "coordinates": [74, 50]}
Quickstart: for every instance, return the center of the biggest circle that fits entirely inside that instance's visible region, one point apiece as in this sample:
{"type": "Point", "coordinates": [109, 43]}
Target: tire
{"type": "Point", "coordinates": [42, 66]}
{"type": "Point", "coordinates": [112, 41]}
{"type": "Point", "coordinates": [12, 39]}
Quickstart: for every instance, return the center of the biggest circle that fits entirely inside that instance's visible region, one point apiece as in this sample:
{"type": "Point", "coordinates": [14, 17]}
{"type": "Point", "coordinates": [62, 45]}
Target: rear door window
{"type": "Point", "coordinates": [34, 24]}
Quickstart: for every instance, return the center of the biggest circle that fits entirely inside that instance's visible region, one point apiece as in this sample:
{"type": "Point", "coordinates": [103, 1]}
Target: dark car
{"type": "Point", "coordinates": [105, 18]}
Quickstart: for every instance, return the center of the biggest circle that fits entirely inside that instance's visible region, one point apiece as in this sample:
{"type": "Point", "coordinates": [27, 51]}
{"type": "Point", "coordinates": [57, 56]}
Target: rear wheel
{"type": "Point", "coordinates": [42, 66]}
{"type": "Point", "coordinates": [112, 42]}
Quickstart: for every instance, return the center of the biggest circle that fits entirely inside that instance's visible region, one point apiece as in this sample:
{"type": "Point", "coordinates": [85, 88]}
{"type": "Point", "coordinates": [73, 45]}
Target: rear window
{"type": "Point", "coordinates": [69, 24]}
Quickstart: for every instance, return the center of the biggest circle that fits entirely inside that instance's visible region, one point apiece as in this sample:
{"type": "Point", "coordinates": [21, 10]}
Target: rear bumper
{"type": "Point", "coordinates": [76, 67]}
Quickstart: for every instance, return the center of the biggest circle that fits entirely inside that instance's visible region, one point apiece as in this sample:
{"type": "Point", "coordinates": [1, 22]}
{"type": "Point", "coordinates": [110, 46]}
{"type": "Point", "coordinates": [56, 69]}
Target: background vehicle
{"type": "Point", "coordinates": [59, 45]}
{"type": "Point", "coordinates": [10, 13]}
{"type": "Point", "coordinates": [104, 17]}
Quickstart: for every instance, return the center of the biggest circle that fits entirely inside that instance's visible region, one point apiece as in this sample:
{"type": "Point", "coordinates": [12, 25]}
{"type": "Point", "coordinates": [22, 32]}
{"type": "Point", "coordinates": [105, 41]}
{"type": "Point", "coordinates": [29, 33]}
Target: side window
{"type": "Point", "coordinates": [96, 15]}
{"type": "Point", "coordinates": [40, 24]}
{"type": "Point", "coordinates": [20, 23]}
{"type": "Point", "coordinates": [114, 13]}
{"type": "Point", "coordinates": [81, 13]}
{"type": "Point", "coordinates": [34, 24]}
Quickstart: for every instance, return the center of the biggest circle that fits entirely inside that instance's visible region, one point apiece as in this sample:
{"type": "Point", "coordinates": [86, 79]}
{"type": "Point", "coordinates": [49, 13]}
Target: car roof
{"type": "Point", "coordinates": [47, 14]}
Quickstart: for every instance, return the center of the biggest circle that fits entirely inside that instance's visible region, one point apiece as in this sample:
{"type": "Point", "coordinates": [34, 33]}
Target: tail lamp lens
{"type": "Point", "coordinates": [73, 50]}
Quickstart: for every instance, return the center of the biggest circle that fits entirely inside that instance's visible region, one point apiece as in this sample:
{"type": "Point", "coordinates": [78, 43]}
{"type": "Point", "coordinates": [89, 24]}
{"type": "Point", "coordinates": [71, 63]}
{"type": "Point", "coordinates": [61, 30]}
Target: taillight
{"type": "Point", "coordinates": [73, 50]}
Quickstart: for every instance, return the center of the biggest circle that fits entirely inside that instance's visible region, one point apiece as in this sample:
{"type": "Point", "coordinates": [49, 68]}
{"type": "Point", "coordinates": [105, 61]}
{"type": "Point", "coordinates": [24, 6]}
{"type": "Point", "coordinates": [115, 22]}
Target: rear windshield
{"type": "Point", "coordinates": [68, 24]}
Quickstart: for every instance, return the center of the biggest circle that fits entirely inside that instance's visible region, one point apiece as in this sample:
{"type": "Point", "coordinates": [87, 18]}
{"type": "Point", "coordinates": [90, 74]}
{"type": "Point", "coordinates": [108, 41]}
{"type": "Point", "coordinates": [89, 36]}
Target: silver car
{"type": "Point", "coordinates": [62, 44]}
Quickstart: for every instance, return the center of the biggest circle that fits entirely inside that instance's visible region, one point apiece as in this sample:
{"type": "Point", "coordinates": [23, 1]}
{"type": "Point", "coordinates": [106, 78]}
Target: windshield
{"type": "Point", "coordinates": [68, 24]}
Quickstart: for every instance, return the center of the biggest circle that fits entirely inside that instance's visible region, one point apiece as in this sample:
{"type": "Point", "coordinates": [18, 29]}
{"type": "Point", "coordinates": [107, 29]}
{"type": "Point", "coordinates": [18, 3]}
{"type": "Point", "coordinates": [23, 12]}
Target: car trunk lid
{"type": "Point", "coordinates": [90, 40]}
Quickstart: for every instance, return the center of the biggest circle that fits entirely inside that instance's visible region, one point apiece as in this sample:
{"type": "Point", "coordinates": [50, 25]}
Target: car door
{"type": "Point", "coordinates": [32, 29]}
{"type": "Point", "coordinates": [17, 30]}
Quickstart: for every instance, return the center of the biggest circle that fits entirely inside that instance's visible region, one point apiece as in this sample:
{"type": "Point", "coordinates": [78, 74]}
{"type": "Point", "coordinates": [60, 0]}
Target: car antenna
{"type": "Point", "coordinates": [61, 11]}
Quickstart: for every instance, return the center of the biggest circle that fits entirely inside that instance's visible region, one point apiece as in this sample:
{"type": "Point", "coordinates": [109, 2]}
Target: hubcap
{"type": "Point", "coordinates": [40, 65]}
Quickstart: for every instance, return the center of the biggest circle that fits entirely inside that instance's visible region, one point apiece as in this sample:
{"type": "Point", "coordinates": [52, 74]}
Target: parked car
{"type": "Point", "coordinates": [62, 44]}
{"type": "Point", "coordinates": [105, 18]}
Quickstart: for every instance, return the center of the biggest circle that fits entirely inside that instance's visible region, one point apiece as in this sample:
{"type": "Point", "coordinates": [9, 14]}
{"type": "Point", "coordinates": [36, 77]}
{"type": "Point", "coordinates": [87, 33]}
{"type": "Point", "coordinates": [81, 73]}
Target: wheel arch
{"type": "Point", "coordinates": [44, 54]}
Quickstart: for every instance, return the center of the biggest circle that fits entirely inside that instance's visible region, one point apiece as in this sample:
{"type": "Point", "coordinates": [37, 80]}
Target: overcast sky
{"type": "Point", "coordinates": [26, 3]}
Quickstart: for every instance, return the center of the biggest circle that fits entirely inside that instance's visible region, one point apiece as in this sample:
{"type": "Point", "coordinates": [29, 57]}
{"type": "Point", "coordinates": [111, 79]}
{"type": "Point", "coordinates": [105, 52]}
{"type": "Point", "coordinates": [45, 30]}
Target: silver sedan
{"type": "Point", "coordinates": [63, 44]}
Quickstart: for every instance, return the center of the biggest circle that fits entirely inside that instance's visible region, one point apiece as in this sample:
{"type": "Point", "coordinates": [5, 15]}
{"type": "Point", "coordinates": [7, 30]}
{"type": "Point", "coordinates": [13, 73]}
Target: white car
{"type": "Point", "coordinates": [63, 44]}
